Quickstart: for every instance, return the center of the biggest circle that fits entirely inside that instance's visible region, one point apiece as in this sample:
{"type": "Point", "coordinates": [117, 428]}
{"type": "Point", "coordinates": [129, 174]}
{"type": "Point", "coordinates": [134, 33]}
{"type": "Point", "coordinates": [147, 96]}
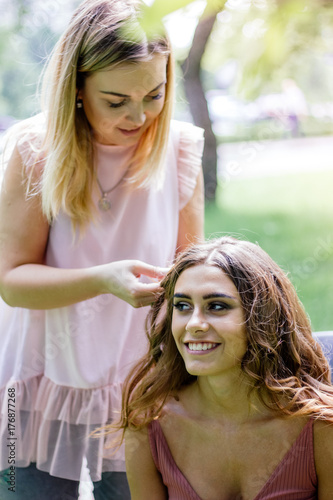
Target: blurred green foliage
{"type": "Point", "coordinates": [273, 40]}
{"type": "Point", "coordinates": [290, 216]}
{"type": "Point", "coordinates": [267, 40]}
{"type": "Point", "coordinates": [28, 32]}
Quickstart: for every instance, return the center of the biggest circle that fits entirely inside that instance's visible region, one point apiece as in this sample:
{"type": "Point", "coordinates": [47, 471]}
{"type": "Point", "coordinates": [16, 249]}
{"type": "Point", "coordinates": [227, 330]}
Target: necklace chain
{"type": "Point", "coordinates": [104, 203]}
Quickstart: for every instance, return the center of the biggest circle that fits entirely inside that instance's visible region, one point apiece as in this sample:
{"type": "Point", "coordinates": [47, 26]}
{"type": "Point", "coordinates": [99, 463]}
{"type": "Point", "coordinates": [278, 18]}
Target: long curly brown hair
{"type": "Point", "coordinates": [283, 362]}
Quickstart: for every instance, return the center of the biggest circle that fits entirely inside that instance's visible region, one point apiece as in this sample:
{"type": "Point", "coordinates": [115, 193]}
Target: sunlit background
{"type": "Point", "coordinates": [267, 73]}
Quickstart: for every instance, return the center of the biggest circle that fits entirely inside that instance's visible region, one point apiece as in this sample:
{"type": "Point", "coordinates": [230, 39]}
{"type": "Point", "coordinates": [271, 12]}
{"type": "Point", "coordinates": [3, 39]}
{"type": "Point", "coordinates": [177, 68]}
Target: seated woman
{"type": "Point", "coordinates": [233, 400]}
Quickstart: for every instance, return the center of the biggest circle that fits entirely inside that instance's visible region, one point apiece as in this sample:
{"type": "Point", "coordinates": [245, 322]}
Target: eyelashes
{"type": "Point", "coordinates": [213, 306]}
{"type": "Point", "coordinates": [181, 306]}
{"type": "Point", "coordinates": [115, 105]}
{"type": "Point", "coordinates": [157, 96]}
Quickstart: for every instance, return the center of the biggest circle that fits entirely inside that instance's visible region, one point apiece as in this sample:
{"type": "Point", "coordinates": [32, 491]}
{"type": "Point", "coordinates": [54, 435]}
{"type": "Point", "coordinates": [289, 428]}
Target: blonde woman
{"type": "Point", "coordinates": [98, 196]}
{"type": "Point", "coordinates": [233, 401]}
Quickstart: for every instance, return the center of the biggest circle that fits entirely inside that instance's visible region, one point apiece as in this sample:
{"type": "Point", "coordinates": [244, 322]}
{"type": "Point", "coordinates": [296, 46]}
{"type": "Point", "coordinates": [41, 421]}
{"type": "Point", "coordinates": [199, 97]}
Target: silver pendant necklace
{"type": "Point", "coordinates": [104, 203]}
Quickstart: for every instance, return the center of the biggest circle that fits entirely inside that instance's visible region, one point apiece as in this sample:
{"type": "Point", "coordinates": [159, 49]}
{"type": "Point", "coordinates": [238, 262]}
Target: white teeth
{"type": "Point", "coordinates": [201, 346]}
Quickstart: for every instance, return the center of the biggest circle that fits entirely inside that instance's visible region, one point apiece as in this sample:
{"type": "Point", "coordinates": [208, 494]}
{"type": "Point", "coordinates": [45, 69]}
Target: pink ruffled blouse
{"type": "Point", "coordinates": [67, 364]}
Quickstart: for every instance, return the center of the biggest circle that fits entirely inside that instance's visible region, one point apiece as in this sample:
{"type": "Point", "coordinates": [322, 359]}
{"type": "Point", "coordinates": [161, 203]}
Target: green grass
{"type": "Point", "coordinates": [271, 129]}
{"type": "Point", "coordinates": [291, 217]}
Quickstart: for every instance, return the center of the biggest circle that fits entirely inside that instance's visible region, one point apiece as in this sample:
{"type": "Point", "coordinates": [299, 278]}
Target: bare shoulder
{"type": "Point", "coordinates": [135, 438]}
{"type": "Point", "coordinates": [179, 404]}
{"type": "Point", "coordinates": [23, 228]}
{"type": "Point", "coordinates": [323, 438]}
{"type": "Point", "coordinates": [178, 413]}
{"type": "Point", "coordinates": [323, 450]}
{"type": "Point", "coordinates": [144, 478]}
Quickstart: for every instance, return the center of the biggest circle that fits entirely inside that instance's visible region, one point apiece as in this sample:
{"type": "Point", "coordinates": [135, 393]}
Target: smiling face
{"type": "Point", "coordinates": [122, 102]}
{"type": "Point", "coordinates": [208, 321]}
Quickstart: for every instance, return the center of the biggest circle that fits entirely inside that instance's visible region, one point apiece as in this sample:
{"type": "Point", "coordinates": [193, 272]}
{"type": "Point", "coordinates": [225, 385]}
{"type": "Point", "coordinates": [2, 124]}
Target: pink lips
{"type": "Point", "coordinates": [129, 133]}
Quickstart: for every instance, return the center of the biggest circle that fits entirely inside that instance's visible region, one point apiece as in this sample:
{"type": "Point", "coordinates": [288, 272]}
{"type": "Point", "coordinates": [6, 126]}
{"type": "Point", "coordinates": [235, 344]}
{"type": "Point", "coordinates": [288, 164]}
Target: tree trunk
{"type": "Point", "coordinates": [196, 96]}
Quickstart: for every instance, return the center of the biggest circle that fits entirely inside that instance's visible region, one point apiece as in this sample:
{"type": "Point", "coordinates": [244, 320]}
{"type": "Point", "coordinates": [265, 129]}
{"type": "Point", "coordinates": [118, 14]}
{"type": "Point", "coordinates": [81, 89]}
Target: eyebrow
{"type": "Point", "coordinates": [125, 95]}
{"type": "Point", "coordinates": [206, 297]}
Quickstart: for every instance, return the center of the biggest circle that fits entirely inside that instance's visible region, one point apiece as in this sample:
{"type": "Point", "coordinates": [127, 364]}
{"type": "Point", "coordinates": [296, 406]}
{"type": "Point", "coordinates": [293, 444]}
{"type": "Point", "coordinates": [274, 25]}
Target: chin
{"type": "Point", "coordinates": [197, 371]}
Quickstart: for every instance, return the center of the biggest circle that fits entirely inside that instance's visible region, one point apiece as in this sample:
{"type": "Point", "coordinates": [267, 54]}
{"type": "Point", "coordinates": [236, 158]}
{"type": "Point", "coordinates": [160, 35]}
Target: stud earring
{"type": "Point", "coordinates": [79, 103]}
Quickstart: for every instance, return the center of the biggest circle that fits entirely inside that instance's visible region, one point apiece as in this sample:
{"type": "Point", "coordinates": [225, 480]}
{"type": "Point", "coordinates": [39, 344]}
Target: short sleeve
{"type": "Point", "coordinates": [191, 143]}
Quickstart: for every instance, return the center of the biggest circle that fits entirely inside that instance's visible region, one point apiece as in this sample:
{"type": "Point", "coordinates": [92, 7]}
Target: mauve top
{"type": "Point", "coordinates": [294, 478]}
{"type": "Point", "coordinates": [67, 364]}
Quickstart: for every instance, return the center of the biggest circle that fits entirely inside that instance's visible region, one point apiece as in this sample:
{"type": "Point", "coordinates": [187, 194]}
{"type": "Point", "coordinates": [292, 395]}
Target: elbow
{"type": "Point", "coordinates": [7, 294]}
{"type": "Point", "coordinates": [8, 298]}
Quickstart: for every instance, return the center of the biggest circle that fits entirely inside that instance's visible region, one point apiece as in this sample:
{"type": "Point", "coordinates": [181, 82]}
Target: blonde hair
{"type": "Point", "coordinates": [101, 33]}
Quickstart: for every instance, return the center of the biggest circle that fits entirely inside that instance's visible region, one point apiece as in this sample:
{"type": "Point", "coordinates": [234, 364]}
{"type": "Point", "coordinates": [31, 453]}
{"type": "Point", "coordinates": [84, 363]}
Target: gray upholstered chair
{"type": "Point", "coordinates": [326, 340]}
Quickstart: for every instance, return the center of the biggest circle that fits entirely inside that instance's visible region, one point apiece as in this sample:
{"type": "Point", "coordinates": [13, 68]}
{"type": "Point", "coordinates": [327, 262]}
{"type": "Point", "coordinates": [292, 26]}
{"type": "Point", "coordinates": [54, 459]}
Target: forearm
{"type": "Point", "coordinates": [36, 286]}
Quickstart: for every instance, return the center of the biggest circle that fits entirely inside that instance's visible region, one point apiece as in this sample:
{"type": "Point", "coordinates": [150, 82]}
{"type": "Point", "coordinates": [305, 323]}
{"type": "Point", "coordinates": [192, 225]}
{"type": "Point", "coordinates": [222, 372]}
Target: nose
{"type": "Point", "coordinates": [136, 115]}
{"type": "Point", "coordinates": [197, 323]}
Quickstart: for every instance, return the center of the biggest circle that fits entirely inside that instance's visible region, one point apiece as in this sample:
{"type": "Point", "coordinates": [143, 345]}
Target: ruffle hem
{"type": "Point", "coordinates": [49, 424]}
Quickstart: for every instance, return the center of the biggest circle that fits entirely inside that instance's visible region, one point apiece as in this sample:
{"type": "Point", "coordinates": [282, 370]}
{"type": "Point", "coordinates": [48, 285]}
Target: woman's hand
{"type": "Point", "coordinates": [122, 278]}
{"type": "Point", "coordinates": [25, 280]}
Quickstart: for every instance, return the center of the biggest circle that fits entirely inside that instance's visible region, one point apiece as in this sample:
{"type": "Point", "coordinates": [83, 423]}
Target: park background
{"type": "Point", "coordinates": [257, 75]}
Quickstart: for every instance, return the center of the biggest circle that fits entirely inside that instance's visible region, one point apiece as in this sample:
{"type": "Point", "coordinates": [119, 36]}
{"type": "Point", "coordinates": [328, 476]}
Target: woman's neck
{"type": "Point", "coordinates": [231, 400]}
